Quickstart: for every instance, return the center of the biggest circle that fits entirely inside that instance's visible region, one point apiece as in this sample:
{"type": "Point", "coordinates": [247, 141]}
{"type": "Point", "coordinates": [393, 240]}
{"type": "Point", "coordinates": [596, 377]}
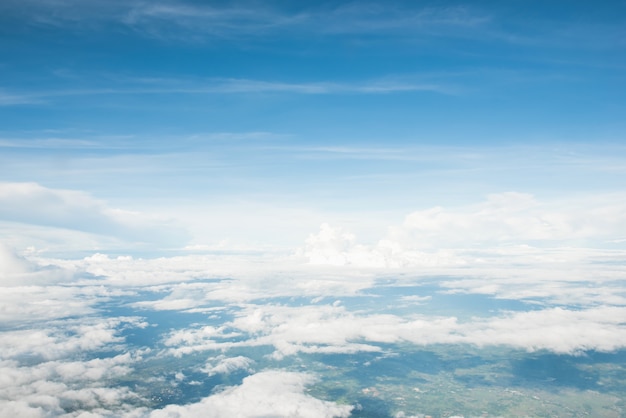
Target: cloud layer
{"type": "Point", "coordinates": [34, 204]}
{"type": "Point", "coordinates": [66, 353]}
{"type": "Point", "coordinates": [505, 222]}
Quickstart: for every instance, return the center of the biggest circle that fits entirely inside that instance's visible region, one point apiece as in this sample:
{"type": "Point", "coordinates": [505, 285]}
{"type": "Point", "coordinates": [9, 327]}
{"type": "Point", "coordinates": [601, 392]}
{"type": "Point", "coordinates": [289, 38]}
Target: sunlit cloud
{"type": "Point", "coordinates": [31, 203]}
{"type": "Point", "coordinates": [333, 329]}
{"type": "Point", "coordinates": [271, 393]}
{"type": "Point", "coordinates": [225, 365]}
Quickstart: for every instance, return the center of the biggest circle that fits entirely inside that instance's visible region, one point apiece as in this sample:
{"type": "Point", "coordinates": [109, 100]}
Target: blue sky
{"type": "Point", "coordinates": [251, 123]}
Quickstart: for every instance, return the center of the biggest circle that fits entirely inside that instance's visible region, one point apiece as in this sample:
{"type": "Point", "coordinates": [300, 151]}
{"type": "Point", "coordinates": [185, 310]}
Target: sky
{"type": "Point", "coordinates": [217, 200]}
{"type": "Point", "coordinates": [131, 126]}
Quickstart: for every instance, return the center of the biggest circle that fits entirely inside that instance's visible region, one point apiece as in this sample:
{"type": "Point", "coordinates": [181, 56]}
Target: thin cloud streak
{"type": "Point", "coordinates": [12, 99]}
{"type": "Point", "coordinates": [229, 86]}
{"type": "Point", "coordinates": [195, 22]}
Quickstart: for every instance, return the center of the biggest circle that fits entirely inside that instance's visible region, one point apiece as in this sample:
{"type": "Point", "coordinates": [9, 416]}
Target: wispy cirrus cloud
{"type": "Point", "coordinates": [14, 99]}
{"type": "Point", "coordinates": [57, 366]}
{"type": "Point", "coordinates": [194, 21]}
{"type": "Point", "coordinates": [221, 86]}
{"type": "Point", "coordinates": [368, 87]}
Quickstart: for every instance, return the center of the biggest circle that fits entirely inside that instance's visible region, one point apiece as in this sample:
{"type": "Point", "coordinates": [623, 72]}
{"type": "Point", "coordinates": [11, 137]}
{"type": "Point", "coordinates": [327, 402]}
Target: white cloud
{"type": "Point", "coordinates": [440, 237]}
{"type": "Point", "coordinates": [216, 86]}
{"type": "Point", "coordinates": [21, 408]}
{"type": "Point", "coordinates": [33, 204]}
{"type": "Point", "coordinates": [333, 329]}
{"type": "Point", "coordinates": [61, 339]}
{"type": "Point", "coordinates": [42, 372]}
{"type": "Point", "coordinates": [518, 218]}
{"type": "Point", "coordinates": [18, 271]}
{"type": "Point", "coordinates": [192, 282]}
{"type": "Point", "coordinates": [53, 389]}
{"type": "Point", "coordinates": [56, 378]}
{"type": "Point", "coordinates": [337, 247]}
{"type": "Point", "coordinates": [332, 264]}
{"type": "Point", "coordinates": [266, 394]}
{"type": "Point", "coordinates": [192, 22]}
{"type": "Point", "coordinates": [53, 288]}
{"type": "Point", "coordinates": [329, 246]}
{"type": "Point", "coordinates": [375, 86]}
{"type": "Point", "coordinates": [185, 341]}
{"type": "Point", "coordinates": [44, 303]}
{"type": "Point", "coordinates": [227, 365]}
{"type": "Point", "coordinates": [559, 330]}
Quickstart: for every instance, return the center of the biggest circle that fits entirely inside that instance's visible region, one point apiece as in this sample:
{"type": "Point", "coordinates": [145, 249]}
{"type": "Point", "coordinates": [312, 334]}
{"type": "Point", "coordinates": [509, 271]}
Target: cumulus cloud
{"type": "Point", "coordinates": [52, 366]}
{"type": "Point", "coordinates": [33, 291]}
{"type": "Point", "coordinates": [559, 330]}
{"type": "Point", "coordinates": [34, 204]}
{"type": "Point", "coordinates": [54, 388]}
{"type": "Point", "coordinates": [227, 365]}
{"type": "Point", "coordinates": [53, 288]}
{"type": "Point", "coordinates": [271, 393]}
{"type": "Point", "coordinates": [333, 329]}
{"type": "Point", "coordinates": [43, 303]}
{"type": "Point", "coordinates": [63, 338]}
{"type": "Point", "coordinates": [329, 246]}
{"type": "Point", "coordinates": [198, 282]}
{"type": "Point", "coordinates": [56, 371]}
{"type": "Point", "coordinates": [444, 237]}
{"type": "Point", "coordinates": [335, 246]}
{"type": "Point", "coordinates": [185, 341]}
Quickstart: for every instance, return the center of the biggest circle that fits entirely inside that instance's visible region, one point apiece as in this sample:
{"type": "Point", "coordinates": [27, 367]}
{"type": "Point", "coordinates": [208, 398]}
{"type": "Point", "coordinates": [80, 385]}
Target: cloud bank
{"type": "Point", "coordinates": [334, 329]}
{"type": "Point", "coordinates": [36, 205]}
{"type": "Point", "coordinates": [503, 222]}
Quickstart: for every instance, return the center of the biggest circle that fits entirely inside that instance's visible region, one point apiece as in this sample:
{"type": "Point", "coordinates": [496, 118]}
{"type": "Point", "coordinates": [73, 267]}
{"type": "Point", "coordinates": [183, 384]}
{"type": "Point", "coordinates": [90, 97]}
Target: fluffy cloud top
{"type": "Point", "coordinates": [270, 393]}
{"type": "Point", "coordinates": [226, 365]}
{"type": "Point", "coordinates": [333, 329]}
{"type": "Point", "coordinates": [52, 371]}
{"type": "Point", "coordinates": [437, 236]}
{"type": "Point", "coordinates": [64, 338]}
{"type": "Point", "coordinates": [291, 312]}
